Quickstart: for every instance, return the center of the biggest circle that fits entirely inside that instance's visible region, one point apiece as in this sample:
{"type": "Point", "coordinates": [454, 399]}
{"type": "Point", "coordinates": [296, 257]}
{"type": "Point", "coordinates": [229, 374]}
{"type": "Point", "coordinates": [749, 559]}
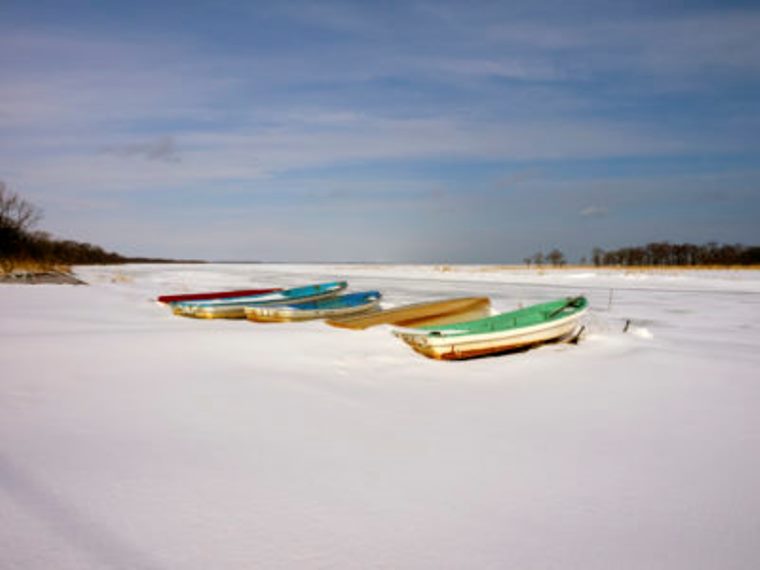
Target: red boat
{"type": "Point", "coordinates": [213, 295]}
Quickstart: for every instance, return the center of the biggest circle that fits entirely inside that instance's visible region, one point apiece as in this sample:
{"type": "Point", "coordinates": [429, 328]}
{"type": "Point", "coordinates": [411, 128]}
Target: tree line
{"type": "Point", "coordinates": [685, 254]}
{"type": "Point", "coordinates": [662, 254]}
{"type": "Point", "coordinates": [21, 245]}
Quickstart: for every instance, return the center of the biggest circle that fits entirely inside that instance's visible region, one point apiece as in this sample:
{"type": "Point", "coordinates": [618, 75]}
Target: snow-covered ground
{"type": "Point", "coordinates": [130, 438]}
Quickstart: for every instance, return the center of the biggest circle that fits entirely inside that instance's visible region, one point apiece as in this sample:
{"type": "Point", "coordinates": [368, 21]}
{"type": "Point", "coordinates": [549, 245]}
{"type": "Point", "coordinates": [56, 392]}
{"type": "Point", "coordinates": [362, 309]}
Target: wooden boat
{"type": "Point", "coordinates": [213, 295]}
{"type": "Point", "coordinates": [444, 311]}
{"type": "Point", "coordinates": [349, 304]}
{"type": "Point", "coordinates": [234, 308]}
{"type": "Point", "coordinates": [545, 322]}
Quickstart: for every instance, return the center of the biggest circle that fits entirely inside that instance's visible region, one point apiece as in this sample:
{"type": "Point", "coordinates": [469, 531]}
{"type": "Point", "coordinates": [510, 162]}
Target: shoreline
{"type": "Point", "coordinates": [51, 277]}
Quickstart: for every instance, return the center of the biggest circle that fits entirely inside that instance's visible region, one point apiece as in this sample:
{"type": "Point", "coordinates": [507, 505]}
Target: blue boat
{"type": "Point", "coordinates": [234, 308]}
{"type": "Point", "coordinates": [340, 305]}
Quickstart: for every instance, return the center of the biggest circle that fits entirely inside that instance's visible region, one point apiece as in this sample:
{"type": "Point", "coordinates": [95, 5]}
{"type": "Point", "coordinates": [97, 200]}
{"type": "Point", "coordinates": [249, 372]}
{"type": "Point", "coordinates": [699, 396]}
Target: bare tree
{"type": "Point", "coordinates": [15, 212]}
{"type": "Point", "coordinates": [556, 258]}
{"type": "Point", "coordinates": [597, 255]}
{"type": "Point", "coordinates": [538, 258]}
{"type": "Point", "coordinates": [17, 217]}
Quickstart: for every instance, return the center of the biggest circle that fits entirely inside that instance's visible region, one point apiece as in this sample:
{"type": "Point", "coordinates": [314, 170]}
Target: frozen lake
{"type": "Point", "coordinates": [130, 438]}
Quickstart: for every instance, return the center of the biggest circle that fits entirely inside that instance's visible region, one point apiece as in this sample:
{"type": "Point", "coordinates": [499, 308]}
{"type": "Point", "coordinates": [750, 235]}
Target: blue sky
{"type": "Point", "coordinates": [383, 131]}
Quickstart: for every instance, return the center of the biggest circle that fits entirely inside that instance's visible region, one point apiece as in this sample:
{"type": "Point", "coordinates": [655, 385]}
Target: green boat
{"type": "Point", "coordinates": [546, 322]}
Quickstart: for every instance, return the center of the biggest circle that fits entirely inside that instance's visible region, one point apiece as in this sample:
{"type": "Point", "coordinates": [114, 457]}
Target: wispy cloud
{"type": "Point", "coordinates": [526, 68]}
{"type": "Point", "coordinates": [514, 179]}
{"type": "Point", "coordinates": [162, 149]}
{"type": "Point", "coordinates": [675, 47]}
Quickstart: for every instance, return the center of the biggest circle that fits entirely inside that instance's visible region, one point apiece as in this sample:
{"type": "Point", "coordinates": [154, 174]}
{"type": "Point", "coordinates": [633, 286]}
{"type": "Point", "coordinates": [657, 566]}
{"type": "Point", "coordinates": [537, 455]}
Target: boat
{"type": "Point", "coordinates": [234, 308]}
{"type": "Point", "coordinates": [545, 322]}
{"type": "Point", "coordinates": [166, 299]}
{"type": "Point", "coordinates": [441, 312]}
{"type": "Point", "coordinates": [348, 304]}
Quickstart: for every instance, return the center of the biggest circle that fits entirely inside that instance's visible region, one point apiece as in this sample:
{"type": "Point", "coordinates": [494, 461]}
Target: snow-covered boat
{"type": "Point", "coordinates": [348, 304]}
{"type": "Point", "coordinates": [234, 308]}
{"type": "Point", "coordinates": [444, 311]}
{"type": "Point", "coordinates": [537, 324]}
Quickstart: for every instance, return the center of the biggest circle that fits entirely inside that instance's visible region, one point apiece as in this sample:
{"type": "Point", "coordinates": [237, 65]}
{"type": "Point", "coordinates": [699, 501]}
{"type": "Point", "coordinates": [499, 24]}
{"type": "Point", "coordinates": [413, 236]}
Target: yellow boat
{"type": "Point", "coordinates": [442, 312]}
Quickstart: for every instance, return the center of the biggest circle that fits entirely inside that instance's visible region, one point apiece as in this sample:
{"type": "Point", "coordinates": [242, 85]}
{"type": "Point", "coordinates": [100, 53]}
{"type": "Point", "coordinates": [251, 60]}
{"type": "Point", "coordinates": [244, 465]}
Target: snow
{"type": "Point", "coordinates": [130, 438]}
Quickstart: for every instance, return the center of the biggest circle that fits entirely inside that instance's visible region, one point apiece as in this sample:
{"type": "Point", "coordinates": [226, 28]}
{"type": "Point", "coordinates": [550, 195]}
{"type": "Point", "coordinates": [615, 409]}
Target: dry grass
{"type": "Point", "coordinates": [30, 266]}
{"type": "Point", "coordinates": [122, 278]}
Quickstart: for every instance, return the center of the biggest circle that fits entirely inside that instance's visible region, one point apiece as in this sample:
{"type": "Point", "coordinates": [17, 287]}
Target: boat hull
{"type": "Point", "coordinates": [284, 314]}
{"type": "Point", "coordinates": [420, 314]}
{"type": "Point", "coordinates": [460, 347]}
{"type": "Point", "coordinates": [235, 308]}
{"type": "Point", "coordinates": [213, 295]}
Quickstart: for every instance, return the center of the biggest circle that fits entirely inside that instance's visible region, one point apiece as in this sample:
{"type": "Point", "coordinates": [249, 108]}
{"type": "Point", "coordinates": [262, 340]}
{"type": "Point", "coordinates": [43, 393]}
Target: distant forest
{"type": "Point", "coordinates": [662, 254]}
{"type": "Point", "coordinates": [685, 254]}
{"type": "Point", "coordinates": [22, 246]}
